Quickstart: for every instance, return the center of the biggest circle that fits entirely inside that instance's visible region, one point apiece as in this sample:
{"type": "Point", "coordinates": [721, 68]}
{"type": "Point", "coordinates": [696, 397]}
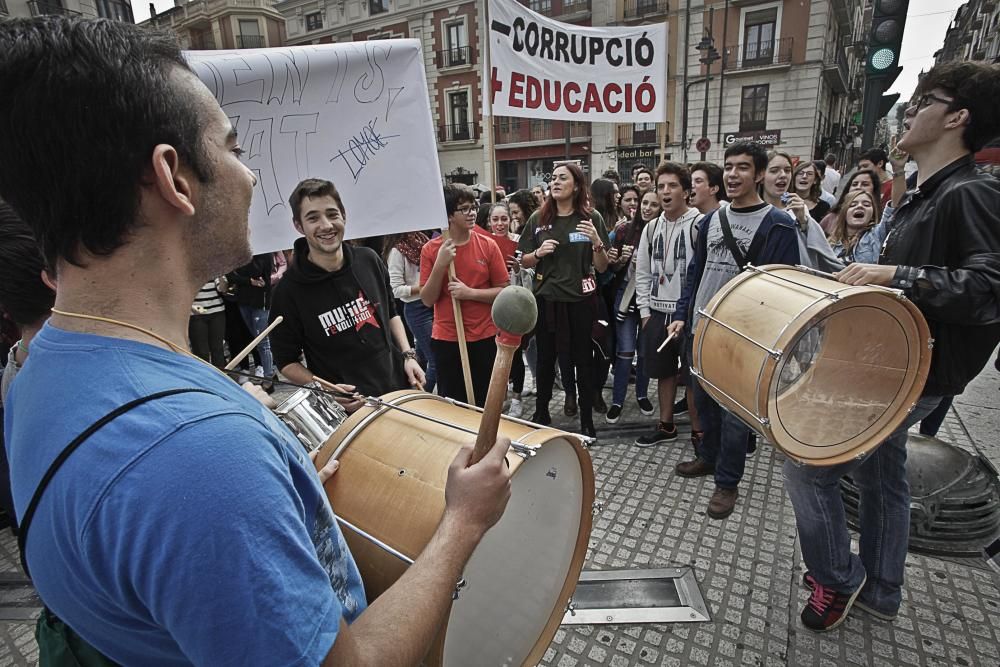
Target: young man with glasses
{"type": "Point", "coordinates": [480, 274]}
{"type": "Point", "coordinates": [943, 252]}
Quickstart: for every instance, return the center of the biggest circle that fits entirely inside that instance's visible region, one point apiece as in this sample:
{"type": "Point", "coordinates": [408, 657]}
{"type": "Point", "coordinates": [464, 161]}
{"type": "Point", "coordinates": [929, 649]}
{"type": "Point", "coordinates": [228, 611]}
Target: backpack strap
{"type": "Point", "coordinates": [29, 513]}
{"type": "Point", "coordinates": [727, 236]}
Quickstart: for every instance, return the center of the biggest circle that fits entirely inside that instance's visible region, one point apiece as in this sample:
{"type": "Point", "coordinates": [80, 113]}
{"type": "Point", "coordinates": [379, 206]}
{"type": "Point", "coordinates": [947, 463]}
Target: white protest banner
{"type": "Point", "coordinates": [356, 114]}
{"type": "Point", "coordinates": [547, 69]}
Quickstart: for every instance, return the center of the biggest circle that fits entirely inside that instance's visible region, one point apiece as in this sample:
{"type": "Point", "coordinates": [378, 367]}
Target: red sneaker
{"type": "Point", "coordinates": [827, 608]}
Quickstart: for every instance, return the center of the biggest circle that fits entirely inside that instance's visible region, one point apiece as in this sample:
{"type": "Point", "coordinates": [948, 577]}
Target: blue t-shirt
{"type": "Point", "coordinates": [192, 529]}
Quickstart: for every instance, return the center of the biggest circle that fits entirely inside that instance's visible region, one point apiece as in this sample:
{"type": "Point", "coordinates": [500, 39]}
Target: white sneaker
{"type": "Point", "coordinates": [259, 372]}
{"type": "Point", "coordinates": [529, 386]}
{"type": "Point", "coordinates": [515, 408]}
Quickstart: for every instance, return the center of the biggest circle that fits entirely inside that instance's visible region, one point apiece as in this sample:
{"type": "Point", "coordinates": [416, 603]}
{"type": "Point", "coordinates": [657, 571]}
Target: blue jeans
{"type": "Point", "coordinates": [724, 439]}
{"type": "Point", "coordinates": [420, 319]}
{"type": "Point", "coordinates": [256, 321]}
{"type": "Point", "coordinates": [626, 337]}
{"type": "Point", "coordinates": [885, 518]}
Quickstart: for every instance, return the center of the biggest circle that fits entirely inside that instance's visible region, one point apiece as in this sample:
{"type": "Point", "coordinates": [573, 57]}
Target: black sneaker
{"type": "Point", "coordinates": [664, 433]}
{"type": "Point", "coordinates": [541, 418]}
{"type": "Point", "coordinates": [827, 608]}
{"type": "Point", "coordinates": [681, 407]}
{"type": "Point", "coordinates": [645, 406]}
{"type": "Point", "coordinates": [614, 414]}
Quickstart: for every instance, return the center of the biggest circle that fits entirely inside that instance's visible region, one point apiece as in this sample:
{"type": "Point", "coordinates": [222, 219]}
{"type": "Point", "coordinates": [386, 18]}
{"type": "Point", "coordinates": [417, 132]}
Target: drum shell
{"type": "Point", "coordinates": [391, 483]}
{"type": "Point", "coordinates": [775, 306]}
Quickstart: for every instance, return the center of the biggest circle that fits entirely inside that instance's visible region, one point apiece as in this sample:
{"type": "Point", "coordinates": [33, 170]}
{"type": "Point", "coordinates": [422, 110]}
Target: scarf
{"type": "Point", "coordinates": [409, 246]}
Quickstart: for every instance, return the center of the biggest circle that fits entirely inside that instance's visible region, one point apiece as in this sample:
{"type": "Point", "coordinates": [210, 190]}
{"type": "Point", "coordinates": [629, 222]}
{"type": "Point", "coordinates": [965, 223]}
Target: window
{"type": "Point", "coordinates": [249, 36]}
{"type": "Point", "coordinates": [753, 108]}
{"type": "Point", "coordinates": [118, 10]}
{"type": "Point", "coordinates": [314, 21]}
{"type": "Point", "coordinates": [458, 112]}
{"type": "Point", "coordinates": [377, 7]}
{"type": "Point", "coordinates": [540, 6]}
{"type": "Point", "coordinates": [643, 133]}
{"type": "Point", "coordinates": [759, 35]}
{"type": "Point", "coordinates": [458, 50]}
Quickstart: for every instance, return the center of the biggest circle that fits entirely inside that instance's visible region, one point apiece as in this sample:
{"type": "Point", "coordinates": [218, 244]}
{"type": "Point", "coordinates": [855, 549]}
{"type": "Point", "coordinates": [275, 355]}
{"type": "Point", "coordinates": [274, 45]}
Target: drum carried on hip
{"type": "Point", "coordinates": [823, 370]}
{"type": "Point", "coordinates": [389, 497]}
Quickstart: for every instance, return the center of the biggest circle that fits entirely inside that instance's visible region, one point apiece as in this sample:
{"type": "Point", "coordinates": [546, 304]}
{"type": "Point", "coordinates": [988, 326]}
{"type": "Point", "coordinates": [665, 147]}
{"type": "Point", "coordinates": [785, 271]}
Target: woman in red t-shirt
{"type": "Point", "coordinates": [480, 274]}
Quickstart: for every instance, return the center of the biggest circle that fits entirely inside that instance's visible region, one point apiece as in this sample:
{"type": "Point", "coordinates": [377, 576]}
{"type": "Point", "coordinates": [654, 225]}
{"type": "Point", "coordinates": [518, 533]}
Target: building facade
{"type": "Point", "coordinates": [789, 74]}
{"type": "Point", "coordinates": [974, 34]}
{"type": "Point", "coordinates": [222, 24]}
{"type": "Point", "coordinates": [119, 10]}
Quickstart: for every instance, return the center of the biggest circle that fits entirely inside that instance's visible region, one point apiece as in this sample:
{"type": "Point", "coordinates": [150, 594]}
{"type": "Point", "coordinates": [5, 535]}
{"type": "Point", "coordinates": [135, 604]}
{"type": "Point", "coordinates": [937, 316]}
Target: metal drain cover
{"type": "Point", "coordinates": [669, 595]}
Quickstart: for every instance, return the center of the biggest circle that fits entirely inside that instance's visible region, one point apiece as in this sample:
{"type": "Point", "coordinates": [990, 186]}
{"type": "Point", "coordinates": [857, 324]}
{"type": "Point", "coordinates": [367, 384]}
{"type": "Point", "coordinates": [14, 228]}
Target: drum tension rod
{"type": "Point", "coordinates": [774, 354]}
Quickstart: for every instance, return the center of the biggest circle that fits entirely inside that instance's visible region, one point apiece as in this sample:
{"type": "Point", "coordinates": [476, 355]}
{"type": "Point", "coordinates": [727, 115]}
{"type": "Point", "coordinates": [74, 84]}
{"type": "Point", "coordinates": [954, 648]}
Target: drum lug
{"type": "Point", "coordinates": [523, 450]}
{"type": "Point", "coordinates": [775, 354]}
{"type": "Point", "coordinates": [462, 583]}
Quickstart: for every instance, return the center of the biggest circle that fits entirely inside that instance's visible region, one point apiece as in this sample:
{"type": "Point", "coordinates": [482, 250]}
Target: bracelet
{"type": "Point", "coordinates": [410, 354]}
{"type": "Point", "coordinates": [599, 247]}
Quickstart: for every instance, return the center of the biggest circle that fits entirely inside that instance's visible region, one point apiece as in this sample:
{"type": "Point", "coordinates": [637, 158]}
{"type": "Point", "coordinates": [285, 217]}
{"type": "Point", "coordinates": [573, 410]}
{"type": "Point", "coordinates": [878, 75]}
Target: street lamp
{"type": "Point", "coordinates": [709, 54]}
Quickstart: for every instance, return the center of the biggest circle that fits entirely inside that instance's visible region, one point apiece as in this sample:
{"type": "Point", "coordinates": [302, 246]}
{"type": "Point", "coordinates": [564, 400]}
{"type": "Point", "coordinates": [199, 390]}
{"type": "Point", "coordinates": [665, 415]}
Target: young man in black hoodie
{"type": "Point", "coordinates": [338, 306]}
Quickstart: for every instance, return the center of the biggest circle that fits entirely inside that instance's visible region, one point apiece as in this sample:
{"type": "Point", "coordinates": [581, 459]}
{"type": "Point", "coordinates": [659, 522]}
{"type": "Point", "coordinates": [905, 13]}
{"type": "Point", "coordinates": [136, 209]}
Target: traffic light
{"type": "Point", "coordinates": [888, 21]}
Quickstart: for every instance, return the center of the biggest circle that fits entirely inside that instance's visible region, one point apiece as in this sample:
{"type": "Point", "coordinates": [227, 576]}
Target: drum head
{"type": "Point", "coordinates": [521, 575]}
{"type": "Point", "coordinates": [848, 379]}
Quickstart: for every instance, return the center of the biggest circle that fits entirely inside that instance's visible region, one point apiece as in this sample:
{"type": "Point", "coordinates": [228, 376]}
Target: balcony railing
{"type": "Point", "coordinates": [574, 6]}
{"type": "Point", "coordinates": [636, 9]}
{"type": "Point", "coordinates": [629, 135]}
{"type": "Point", "coordinates": [203, 42]}
{"type": "Point", "coordinates": [522, 130]}
{"type": "Point", "coordinates": [459, 132]}
{"type": "Point", "coordinates": [49, 7]}
{"type": "Point", "coordinates": [456, 57]}
{"type": "Point", "coordinates": [758, 54]}
{"type": "Point", "coordinates": [835, 67]}
{"type": "Point", "coordinates": [249, 41]}
{"type": "Point", "coordinates": [539, 6]}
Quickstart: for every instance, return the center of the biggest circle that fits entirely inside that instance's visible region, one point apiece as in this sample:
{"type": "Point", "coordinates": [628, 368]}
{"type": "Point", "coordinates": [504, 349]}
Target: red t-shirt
{"type": "Point", "coordinates": [887, 192]}
{"type": "Point", "coordinates": [507, 245]}
{"type": "Point", "coordinates": [479, 265]}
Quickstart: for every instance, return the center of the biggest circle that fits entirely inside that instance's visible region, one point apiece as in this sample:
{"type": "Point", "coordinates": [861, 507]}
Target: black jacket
{"type": "Point", "coordinates": [945, 241]}
{"type": "Point", "coordinates": [246, 294]}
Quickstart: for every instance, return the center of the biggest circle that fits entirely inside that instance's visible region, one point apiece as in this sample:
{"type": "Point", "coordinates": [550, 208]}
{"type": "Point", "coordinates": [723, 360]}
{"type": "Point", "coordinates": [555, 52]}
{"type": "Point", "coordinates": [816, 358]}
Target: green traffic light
{"type": "Point", "coordinates": [882, 59]}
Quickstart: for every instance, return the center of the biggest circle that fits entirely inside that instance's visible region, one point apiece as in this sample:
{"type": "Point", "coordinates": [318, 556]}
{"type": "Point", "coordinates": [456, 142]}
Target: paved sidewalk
{"type": "Point", "coordinates": [748, 566]}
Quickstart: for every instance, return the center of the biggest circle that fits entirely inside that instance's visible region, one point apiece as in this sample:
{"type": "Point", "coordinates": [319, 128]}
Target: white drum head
{"type": "Point", "coordinates": [517, 573]}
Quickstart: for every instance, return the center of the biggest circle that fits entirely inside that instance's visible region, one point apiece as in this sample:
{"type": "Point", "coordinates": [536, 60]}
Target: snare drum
{"type": "Point", "coordinates": [389, 497]}
{"type": "Point", "coordinates": [824, 371]}
{"type": "Point", "coordinates": [312, 416]}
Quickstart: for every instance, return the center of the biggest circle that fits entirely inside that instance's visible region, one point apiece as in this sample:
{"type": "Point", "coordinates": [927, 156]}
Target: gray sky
{"type": "Point", "coordinates": [926, 23]}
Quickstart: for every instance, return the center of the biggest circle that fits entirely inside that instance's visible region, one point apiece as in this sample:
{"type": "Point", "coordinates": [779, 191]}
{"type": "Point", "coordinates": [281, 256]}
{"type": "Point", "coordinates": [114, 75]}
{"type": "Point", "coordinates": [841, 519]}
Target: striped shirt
{"type": "Point", "coordinates": [208, 300]}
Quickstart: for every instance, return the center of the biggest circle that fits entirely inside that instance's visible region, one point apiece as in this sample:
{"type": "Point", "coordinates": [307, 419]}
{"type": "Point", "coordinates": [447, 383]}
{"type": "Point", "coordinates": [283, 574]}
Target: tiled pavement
{"type": "Point", "coordinates": [748, 567]}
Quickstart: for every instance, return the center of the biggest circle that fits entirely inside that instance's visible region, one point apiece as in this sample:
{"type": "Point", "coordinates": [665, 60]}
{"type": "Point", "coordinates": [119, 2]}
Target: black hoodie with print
{"type": "Point", "coordinates": [340, 320]}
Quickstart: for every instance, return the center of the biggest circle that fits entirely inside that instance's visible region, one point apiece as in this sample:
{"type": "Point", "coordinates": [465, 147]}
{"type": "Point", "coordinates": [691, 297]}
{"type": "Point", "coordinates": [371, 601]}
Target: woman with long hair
{"type": "Point", "coordinates": [862, 179]}
{"type": "Point", "coordinates": [402, 255]}
{"type": "Point", "coordinates": [807, 184]}
{"type": "Point", "coordinates": [521, 205]}
{"type": "Point", "coordinates": [858, 215]}
{"type": "Point", "coordinates": [814, 249]}
{"type": "Point", "coordinates": [627, 320]}
{"type": "Point", "coordinates": [604, 196]}
{"type": "Point", "coordinates": [564, 242]}
{"type": "Point", "coordinates": [628, 203]}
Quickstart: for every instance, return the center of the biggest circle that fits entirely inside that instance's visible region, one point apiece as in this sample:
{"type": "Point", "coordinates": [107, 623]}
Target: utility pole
{"type": "Point", "coordinates": [709, 55]}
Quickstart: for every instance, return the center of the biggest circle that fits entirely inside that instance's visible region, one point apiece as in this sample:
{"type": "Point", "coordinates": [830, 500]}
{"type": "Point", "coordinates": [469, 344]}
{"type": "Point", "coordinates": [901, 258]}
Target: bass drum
{"type": "Point", "coordinates": [389, 497]}
{"type": "Point", "coordinates": [823, 370]}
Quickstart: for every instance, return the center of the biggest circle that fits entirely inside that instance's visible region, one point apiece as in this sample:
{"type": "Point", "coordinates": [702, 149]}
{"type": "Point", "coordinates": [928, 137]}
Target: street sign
{"type": "Point", "coordinates": [703, 145]}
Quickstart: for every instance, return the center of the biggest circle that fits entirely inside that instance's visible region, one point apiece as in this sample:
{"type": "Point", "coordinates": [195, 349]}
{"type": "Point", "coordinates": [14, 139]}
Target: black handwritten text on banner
{"type": "Point", "coordinates": [356, 114]}
{"type": "Point", "coordinates": [546, 69]}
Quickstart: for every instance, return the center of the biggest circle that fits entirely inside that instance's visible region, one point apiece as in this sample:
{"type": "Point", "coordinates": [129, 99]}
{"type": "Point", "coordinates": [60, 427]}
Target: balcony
{"type": "Point", "coordinates": [638, 9]}
{"type": "Point", "coordinates": [48, 8]}
{"type": "Point", "coordinates": [456, 57]}
{"type": "Point", "coordinates": [523, 130]}
{"type": "Point", "coordinates": [543, 7]}
{"type": "Point", "coordinates": [758, 54]}
{"type": "Point", "coordinates": [835, 69]}
{"type": "Point", "coordinates": [249, 41]}
{"type": "Point", "coordinates": [570, 7]}
{"type": "Point", "coordinates": [458, 132]}
{"type": "Point", "coordinates": [629, 135]}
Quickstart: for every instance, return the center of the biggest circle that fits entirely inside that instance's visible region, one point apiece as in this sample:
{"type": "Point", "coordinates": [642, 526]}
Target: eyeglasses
{"type": "Point", "coordinates": [467, 209]}
{"type": "Point", "coordinates": [928, 99]}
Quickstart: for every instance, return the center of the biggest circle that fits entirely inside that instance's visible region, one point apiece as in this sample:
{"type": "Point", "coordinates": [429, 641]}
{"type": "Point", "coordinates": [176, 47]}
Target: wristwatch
{"type": "Point", "coordinates": [410, 354]}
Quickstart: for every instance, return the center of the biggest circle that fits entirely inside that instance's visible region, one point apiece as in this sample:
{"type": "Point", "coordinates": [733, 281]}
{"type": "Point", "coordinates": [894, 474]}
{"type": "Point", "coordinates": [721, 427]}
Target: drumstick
{"type": "Point", "coordinates": [463, 350]}
{"type": "Point", "coordinates": [249, 348]}
{"type": "Point", "coordinates": [514, 312]}
{"type": "Point", "coordinates": [665, 341]}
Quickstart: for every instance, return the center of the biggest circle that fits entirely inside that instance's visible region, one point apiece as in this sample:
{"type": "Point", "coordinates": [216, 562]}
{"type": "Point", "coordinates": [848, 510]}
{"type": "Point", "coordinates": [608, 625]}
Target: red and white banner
{"type": "Point", "coordinates": [547, 69]}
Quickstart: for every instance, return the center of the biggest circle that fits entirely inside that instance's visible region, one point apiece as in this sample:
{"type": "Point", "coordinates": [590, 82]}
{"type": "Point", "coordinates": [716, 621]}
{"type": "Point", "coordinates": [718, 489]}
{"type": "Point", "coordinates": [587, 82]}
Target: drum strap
{"type": "Point", "coordinates": [29, 513]}
{"type": "Point", "coordinates": [727, 236]}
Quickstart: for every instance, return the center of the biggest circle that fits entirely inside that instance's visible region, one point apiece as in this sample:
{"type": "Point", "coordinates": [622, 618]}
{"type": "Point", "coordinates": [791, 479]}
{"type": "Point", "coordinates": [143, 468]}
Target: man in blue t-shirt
{"type": "Point", "coordinates": [191, 529]}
